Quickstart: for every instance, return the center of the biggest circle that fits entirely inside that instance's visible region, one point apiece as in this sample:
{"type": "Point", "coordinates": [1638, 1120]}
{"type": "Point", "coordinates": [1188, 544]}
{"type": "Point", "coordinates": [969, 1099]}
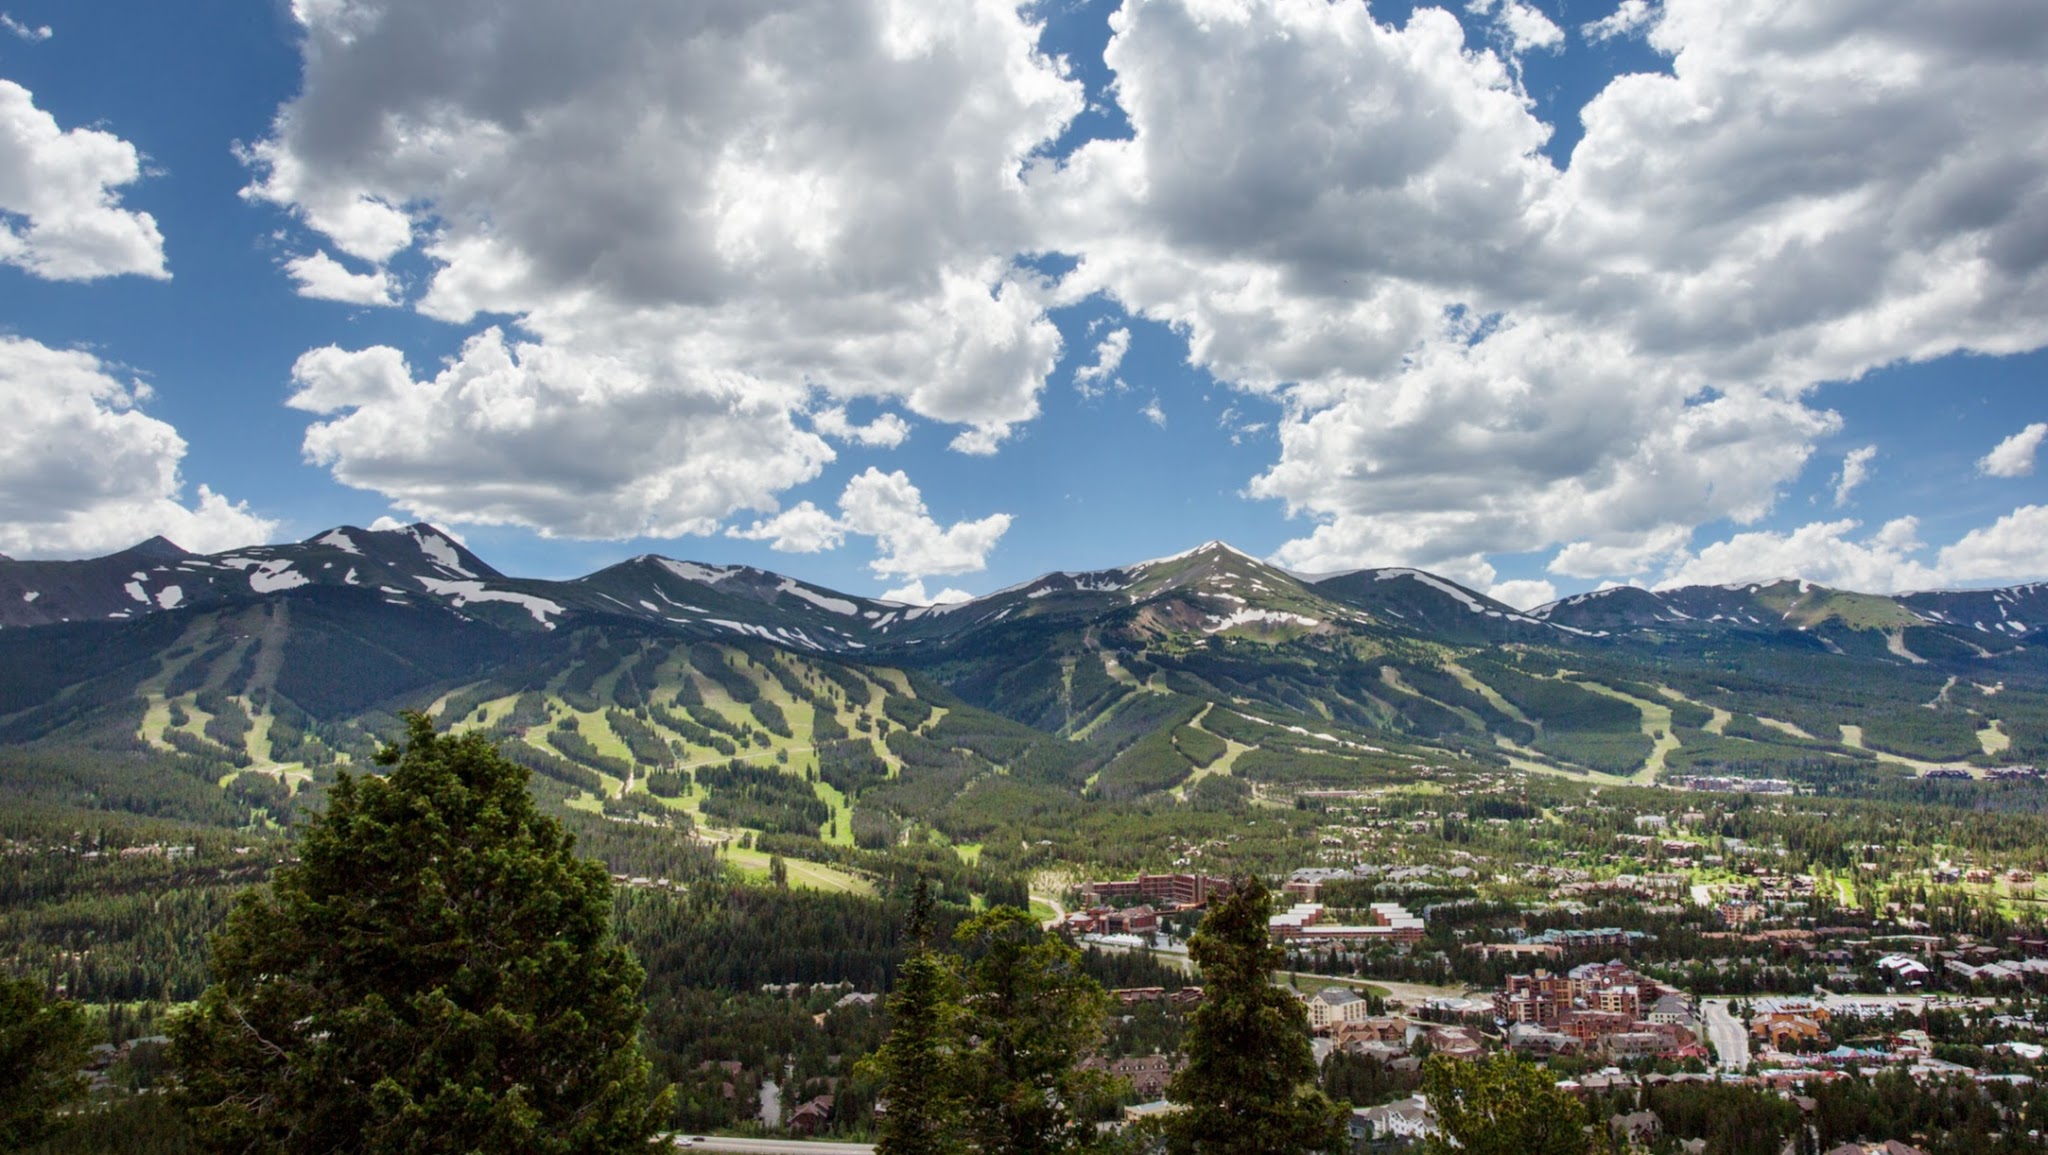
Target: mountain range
{"type": "Point", "coordinates": [292, 657]}
{"type": "Point", "coordinates": [1212, 588]}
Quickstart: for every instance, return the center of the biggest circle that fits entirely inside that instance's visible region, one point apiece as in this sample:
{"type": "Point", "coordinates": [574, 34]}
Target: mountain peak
{"type": "Point", "coordinates": [1213, 546]}
{"type": "Point", "coordinates": [158, 548]}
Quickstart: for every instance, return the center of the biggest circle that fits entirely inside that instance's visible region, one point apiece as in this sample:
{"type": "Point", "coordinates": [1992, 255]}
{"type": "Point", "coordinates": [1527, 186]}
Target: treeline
{"type": "Point", "coordinates": [115, 909]}
{"type": "Point", "coordinates": [763, 799]}
{"type": "Point", "coordinates": [732, 937]}
{"type": "Point", "coordinates": [1939, 1116]}
{"type": "Point", "coordinates": [899, 865]}
{"type": "Point", "coordinates": [1156, 761]}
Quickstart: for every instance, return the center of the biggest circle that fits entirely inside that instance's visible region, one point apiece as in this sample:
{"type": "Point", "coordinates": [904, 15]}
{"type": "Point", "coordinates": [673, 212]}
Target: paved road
{"type": "Point", "coordinates": [1730, 1040]}
{"type": "Point", "coordinates": [778, 1146]}
{"type": "Point", "coordinates": [1059, 912]}
{"type": "Point", "coordinates": [1419, 992]}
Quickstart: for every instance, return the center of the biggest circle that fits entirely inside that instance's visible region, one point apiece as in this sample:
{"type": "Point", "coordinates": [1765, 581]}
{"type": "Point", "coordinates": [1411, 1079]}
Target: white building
{"type": "Point", "coordinates": [1335, 1005]}
{"type": "Point", "coordinates": [1410, 1119]}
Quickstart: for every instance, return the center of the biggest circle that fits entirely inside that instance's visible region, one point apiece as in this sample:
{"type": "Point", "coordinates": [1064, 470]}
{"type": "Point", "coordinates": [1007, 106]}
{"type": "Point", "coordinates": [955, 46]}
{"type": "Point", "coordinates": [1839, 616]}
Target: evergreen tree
{"type": "Point", "coordinates": [436, 972]}
{"type": "Point", "coordinates": [917, 1064]}
{"type": "Point", "coordinates": [1030, 1013]}
{"type": "Point", "coordinates": [1501, 1106]}
{"type": "Point", "coordinates": [1249, 1086]}
{"type": "Point", "coordinates": [42, 1050]}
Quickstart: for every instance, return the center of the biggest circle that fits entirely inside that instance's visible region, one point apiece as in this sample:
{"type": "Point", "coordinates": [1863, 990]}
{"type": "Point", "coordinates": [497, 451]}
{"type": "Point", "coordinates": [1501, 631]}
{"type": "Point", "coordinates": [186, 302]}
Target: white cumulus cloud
{"type": "Point", "coordinates": [1528, 438]}
{"type": "Point", "coordinates": [1891, 560]}
{"type": "Point", "coordinates": [1625, 554]}
{"type": "Point", "coordinates": [914, 594]}
{"type": "Point", "coordinates": [563, 442]}
{"type": "Point", "coordinates": [322, 277]}
{"type": "Point", "coordinates": [715, 225]}
{"type": "Point", "coordinates": [890, 509]}
{"type": "Point", "coordinates": [2013, 548]}
{"type": "Point", "coordinates": [885, 432]}
{"type": "Point", "coordinates": [1855, 471]}
{"type": "Point", "coordinates": [1525, 27]}
{"type": "Point", "coordinates": [84, 471]}
{"type": "Point", "coordinates": [1631, 18]}
{"type": "Point", "coordinates": [757, 201]}
{"type": "Point", "coordinates": [887, 507]}
{"type": "Point", "coordinates": [1522, 593]}
{"type": "Point", "coordinates": [33, 33]}
{"type": "Point", "coordinates": [1824, 552]}
{"type": "Point", "coordinates": [1109, 355]}
{"type": "Point", "coordinates": [1479, 351]}
{"type": "Point", "coordinates": [2014, 457]}
{"type": "Point", "coordinates": [60, 214]}
{"type": "Point", "coordinates": [802, 528]}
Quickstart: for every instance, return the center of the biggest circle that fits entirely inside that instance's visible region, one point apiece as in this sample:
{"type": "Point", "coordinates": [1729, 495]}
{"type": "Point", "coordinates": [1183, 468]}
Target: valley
{"type": "Point", "coordinates": [1747, 792]}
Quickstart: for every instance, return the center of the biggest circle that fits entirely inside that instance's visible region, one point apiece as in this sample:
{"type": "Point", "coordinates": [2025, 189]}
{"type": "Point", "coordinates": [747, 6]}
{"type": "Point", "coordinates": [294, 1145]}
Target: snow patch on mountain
{"type": "Point", "coordinates": [1249, 616]}
{"type": "Point", "coordinates": [1318, 735]}
{"type": "Point", "coordinates": [798, 637]}
{"type": "Point", "coordinates": [836, 605]}
{"type": "Point", "coordinates": [916, 612]}
{"type": "Point", "coordinates": [1205, 547]}
{"type": "Point", "coordinates": [778, 634]}
{"type": "Point", "coordinates": [690, 571]}
{"type": "Point", "coordinates": [663, 595]}
{"type": "Point", "coordinates": [277, 575]}
{"type": "Point", "coordinates": [440, 551]}
{"type": "Point", "coordinates": [169, 597]}
{"type": "Point", "coordinates": [31, 595]}
{"type": "Point", "coordinates": [462, 593]}
{"type": "Point", "coordinates": [136, 591]}
{"type": "Point", "coordinates": [1435, 583]}
{"type": "Point", "coordinates": [1543, 612]}
{"type": "Point", "coordinates": [338, 540]}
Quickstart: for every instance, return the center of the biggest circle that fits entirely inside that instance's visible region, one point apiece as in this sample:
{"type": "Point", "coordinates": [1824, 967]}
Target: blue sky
{"type": "Point", "coordinates": [1539, 296]}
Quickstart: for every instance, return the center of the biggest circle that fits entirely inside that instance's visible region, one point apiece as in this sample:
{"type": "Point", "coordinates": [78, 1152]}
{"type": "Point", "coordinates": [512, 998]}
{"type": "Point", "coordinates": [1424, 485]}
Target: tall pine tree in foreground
{"type": "Point", "coordinates": [42, 1049]}
{"type": "Point", "coordinates": [1249, 1086]}
{"type": "Point", "coordinates": [435, 973]}
{"type": "Point", "coordinates": [1502, 1106]}
{"type": "Point", "coordinates": [916, 1063]}
{"type": "Point", "coordinates": [1030, 1013]}
{"type": "Point", "coordinates": [983, 1051]}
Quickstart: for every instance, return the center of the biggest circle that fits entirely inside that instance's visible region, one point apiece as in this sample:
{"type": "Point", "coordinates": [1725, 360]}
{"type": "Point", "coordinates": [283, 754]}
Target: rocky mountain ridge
{"type": "Point", "coordinates": [1212, 588]}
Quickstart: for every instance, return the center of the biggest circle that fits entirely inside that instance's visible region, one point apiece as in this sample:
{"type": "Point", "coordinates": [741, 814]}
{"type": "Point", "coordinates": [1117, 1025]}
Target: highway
{"type": "Point", "coordinates": [1730, 1039]}
{"type": "Point", "coordinates": [775, 1146]}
